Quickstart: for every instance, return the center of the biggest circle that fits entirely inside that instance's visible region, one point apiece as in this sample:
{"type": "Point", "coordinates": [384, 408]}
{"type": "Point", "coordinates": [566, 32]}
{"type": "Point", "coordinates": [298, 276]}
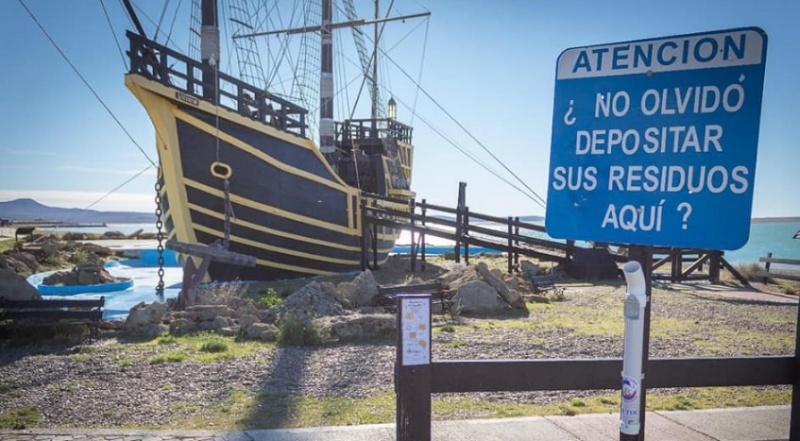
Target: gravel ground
{"type": "Point", "coordinates": [113, 384]}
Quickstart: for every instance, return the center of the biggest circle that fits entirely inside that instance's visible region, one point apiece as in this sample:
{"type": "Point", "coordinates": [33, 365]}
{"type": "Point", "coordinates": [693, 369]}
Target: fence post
{"type": "Point", "coordinates": [412, 205]}
{"type": "Point", "coordinates": [714, 266]}
{"type": "Point", "coordinates": [510, 246]}
{"type": "Point", "coordinates": [413, 373]}
{"type": "Point", "coordinates": [422, 235]}
{"type": "Point", "coordinates": [465, 232]}
{"type": "Point", "coordinates": [766, 267]}
{"type": "Point", "coordinates": [516, 242]}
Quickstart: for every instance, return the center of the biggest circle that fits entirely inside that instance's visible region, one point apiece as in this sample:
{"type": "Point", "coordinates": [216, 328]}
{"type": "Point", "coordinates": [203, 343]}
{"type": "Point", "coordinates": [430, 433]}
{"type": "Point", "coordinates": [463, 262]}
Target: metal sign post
{"type": "Point", "coordinates": [650, 138]}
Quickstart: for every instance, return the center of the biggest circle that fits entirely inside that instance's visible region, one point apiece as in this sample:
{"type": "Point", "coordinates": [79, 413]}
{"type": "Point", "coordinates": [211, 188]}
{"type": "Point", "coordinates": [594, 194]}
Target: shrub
{"type": "Point", "coordinates": [298, 330]}
{"type": "Point", "coordinates": [448, 328]}
{"type": "Point", "coordinates": [214, 346]}
{"type": "Point", "coordinates": [78, 257]}
{"type": "Point", "coordinates": [270, 298]}
{"type": "Point", "coordinates": [750, 271]}
{"type": "Point", "coordinates": [173, 357]}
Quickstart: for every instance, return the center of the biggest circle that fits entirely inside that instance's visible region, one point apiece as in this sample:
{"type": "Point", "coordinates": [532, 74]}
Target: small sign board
{"type": "Point", "coordinates": [654, 141]}
{"type": "Point", "coordinates": [415, 329]}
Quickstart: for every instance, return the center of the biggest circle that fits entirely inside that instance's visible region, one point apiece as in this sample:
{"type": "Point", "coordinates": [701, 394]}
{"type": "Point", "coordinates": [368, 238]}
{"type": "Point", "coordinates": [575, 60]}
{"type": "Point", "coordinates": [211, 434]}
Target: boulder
{"type": "Point", "coordinates": [476, 296]}
{"type": "Point", "coordinates": [529, 269]}
{"type": "Point", "coordinates": [114, 235]}
{"type": "Point", "coordinates": [181, 326]}
{"type": "Point", "coordinates": [360, 291]}
{"type": "Point", "coordinates": [310, 301]}
{"type": "Point", "coordinates": [15, 287]}
{"type": "Point", "coordinates": [459, 276]}
{"type": "Point", "coordinates": [362, 327]}
{"type": "Point", "coordinates": [96, 249]}
{"type": "Point", "coordinates": [145, 320]}
{"type": "Point", "coordinates": [511, 297]}
{"type": "Point", "coordinates": [207, 313]}
{"type": "Point", "coordinates": [17, 266]}
{"type": "Point", "coordinates": [261, 331]}
{"type": "Point", "coordinates": [74, 236]}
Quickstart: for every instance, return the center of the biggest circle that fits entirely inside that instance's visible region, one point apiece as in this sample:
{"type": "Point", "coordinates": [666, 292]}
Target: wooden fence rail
{"type": "Point", "coordinates": [770, 273]}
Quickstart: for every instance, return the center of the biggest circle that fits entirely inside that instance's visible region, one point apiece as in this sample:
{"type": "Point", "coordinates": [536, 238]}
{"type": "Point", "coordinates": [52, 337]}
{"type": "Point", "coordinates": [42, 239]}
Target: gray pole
{"type": "Point", "coordinates": [209, 49]}
{"type": "Point", "coordinates": [326, 130]}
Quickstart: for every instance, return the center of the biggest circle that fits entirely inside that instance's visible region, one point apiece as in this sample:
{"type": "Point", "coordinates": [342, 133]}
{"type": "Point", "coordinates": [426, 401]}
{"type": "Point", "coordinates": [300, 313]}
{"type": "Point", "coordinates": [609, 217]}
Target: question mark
{"type": "Point", "coordinates": [688, 208]}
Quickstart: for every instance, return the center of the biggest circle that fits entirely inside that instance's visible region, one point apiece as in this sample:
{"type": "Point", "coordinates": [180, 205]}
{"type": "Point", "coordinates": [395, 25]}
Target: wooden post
{"type": "Point", "coordinates": [677, 264]}
{"type": "Point", "coordinates": [364, 236]}
{"type": "Point", "coordinates": [516, 242]}
{"type": "Point", "coordinates": [714, 266]}
{"type": "Point", "coordinates": [510, 245]}
{"type": "Point", "coordinates": [375, 240]}
{"type": "Point", "coordinates": [413, 374]}
{"type": "Point", "coordinates": [465, 232]}
{"type": "Point", "coordinates": [643, 255]}
{"type": "Point", "coordinates": [412, 206]}
{"type": "Point", "coordinates": [766, 267]}
{"type": "Point", "coordinates": [422, 236]}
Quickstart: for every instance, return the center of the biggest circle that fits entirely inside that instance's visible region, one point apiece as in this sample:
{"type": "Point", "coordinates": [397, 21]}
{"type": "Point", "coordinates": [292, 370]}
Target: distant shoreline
{"type": "Point", "coordinates": [761, 220]}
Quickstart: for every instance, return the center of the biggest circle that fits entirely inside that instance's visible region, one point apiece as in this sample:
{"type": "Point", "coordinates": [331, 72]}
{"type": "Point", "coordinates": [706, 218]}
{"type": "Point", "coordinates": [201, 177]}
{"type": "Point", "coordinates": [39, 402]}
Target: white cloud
{"type": "Point", "coordinates": [141, 202]}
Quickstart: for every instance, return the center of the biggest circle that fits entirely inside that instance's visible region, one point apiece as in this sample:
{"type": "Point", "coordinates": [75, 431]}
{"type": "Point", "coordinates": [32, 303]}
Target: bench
{"type": "Point", "coordinates": [546, 283]}
{"type": "Point", "coordinates": [387, 296]}
{"type": "Point", "coordinates": [24, 231]}
{"type": "Point", "coordinates": [52, 313]}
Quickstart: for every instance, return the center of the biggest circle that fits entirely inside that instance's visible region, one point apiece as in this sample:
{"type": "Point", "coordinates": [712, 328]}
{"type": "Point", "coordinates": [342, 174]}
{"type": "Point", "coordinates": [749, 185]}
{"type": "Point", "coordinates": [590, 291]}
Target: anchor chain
{"type": "Point", "coordinates": [160, 237]}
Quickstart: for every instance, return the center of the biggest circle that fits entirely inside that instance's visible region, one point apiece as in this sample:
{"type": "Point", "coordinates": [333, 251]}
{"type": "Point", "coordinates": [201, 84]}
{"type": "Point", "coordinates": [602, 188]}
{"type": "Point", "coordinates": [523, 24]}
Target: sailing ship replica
{"type": "Point", "coordinates": [237, 167]}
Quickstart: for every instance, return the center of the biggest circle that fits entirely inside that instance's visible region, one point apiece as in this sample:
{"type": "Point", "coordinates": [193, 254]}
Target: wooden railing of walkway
{"type": "Point", "coordinates": [506, 234]}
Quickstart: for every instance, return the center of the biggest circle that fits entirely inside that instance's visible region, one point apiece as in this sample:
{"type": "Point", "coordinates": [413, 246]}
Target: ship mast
{"type": "Point", "coordinates": [327, 144]}
{"type": "Point", "coordinates": [375, 67]}
{"type": "Point", "coordinates": [209, 49]}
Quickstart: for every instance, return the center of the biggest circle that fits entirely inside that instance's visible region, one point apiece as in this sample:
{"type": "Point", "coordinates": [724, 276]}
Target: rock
{"type": "Point", "coordinates": [537, 298]}
{"type": "Point", "coordinates": [246, 320]}
{"type": "Point", "coordinates": [145, 320]}
{"type": "Point", "coordinates": [181, 326]}
{"type": "Point", "coordinates": [511, 297]}
{"type": "Point", "coordinates": [205, 313]}
{"type": "Point", "coordinates": [90, 272]}
{"type": "Point", "coordinates": [262, 331]}
{"type": "Point", "coordinates": [73, 236]}
{"type": "Point", "coordinates": [311, 301]}
{"type": "Point", "coordinates": [15, 287]}
{"type": "Point", "coordinates": [529, 268]}
{"type": "Point", "coordinates": [360, 291]}
{"type": "Point", "coordinates": [17, 266]}
{"type": "Point", "coordinates": [49, 249]}
{"type": "Point", "coordinates": [219, 323]}
{"type": "Point", "coordinates": [478, 297]}
{"type": "Point", "coordinates": [114, 235]}
{"type": "Point", "coordinates": [96, 249]}
{"type": "Point", "coordinates": [459, 276]}
{"type": "Point", "coordinates": [361, 327]}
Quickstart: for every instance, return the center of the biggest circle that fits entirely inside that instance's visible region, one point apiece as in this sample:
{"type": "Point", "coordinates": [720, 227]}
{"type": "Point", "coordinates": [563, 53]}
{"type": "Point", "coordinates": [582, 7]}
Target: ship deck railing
{"type": "Point", "coordinates": [360, 130]}
{"type": "Point", "coordinates": [173, 69]}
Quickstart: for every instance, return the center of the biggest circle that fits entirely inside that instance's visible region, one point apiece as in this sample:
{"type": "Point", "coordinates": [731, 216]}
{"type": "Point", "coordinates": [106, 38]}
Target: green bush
{"type": "Point", "coordinates": [750, 271]}
{"type": "Point", "coordinates": [78, 257]}
{"type": "Point", "coordinates": [270, 298]}
{"type": "Point", "coordinates": [298, 330]}
{"type": "Point", "coordinates": [173, 357]}
{"type": "Point", "coordinates": [214, 346]}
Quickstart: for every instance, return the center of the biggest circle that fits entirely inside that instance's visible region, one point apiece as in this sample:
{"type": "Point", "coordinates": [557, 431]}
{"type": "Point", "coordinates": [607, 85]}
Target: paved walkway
{"type": "Point", "coordinates": [739, 424]}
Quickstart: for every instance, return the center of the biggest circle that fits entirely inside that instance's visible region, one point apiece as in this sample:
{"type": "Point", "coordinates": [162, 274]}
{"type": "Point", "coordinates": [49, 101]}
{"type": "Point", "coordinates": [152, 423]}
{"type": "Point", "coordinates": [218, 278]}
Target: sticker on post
{"type": "Point", "coordinates": [630, 389]}
{"type": "Point", "coordinates": [416, 332]}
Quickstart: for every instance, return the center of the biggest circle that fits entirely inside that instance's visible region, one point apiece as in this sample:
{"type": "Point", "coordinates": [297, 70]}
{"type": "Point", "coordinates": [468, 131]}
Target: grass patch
{"type": "Point", "coordinates": [240, 410]}
{"type": "Point", "coordinates": [19, 418]}
{"type": "Point", "coordinates": [456, 344]}
{"type": "Point", "coordinates": [214, 346]}
{"type": "Point", "coordinates": [171, 357]}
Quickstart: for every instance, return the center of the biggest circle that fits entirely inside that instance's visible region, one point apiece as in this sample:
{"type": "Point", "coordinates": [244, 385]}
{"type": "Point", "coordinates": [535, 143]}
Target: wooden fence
{"type": "Point", "coordinates": [771, 273]}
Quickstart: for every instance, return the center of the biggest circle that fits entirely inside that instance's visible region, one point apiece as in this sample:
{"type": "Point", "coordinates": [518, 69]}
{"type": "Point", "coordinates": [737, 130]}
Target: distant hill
{"type": "Point", "coordinates": [28, 210]}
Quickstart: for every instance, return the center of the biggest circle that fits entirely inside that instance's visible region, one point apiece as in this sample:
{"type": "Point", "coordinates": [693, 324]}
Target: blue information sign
{"type": "Point", "coordinates": [654, 141]}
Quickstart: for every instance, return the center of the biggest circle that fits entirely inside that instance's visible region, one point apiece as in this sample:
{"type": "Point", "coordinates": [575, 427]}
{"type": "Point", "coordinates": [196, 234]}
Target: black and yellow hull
{"type": "Point", "coordinates": [288, 208]}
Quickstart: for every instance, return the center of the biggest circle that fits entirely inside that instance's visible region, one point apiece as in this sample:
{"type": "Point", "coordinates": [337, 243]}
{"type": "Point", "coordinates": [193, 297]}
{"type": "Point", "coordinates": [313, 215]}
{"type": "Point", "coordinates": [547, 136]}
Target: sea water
{"type": "Point", "coordinates": [765, 237]}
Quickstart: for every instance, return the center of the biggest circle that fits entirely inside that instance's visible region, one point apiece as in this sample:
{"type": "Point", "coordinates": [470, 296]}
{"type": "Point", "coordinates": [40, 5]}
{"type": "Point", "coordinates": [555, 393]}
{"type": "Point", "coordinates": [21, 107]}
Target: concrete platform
{"type": "Point", "coordinates": [735, 424]}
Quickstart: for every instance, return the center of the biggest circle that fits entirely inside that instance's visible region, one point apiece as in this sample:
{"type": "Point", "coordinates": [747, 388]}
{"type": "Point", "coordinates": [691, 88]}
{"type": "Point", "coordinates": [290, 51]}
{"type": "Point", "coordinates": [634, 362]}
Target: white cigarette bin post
{"type": "Point", "coordinates": [634, 310]}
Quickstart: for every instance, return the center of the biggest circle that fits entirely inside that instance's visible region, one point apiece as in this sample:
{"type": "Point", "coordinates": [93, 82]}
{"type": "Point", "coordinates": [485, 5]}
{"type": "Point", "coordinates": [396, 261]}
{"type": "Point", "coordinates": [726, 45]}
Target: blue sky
{"type": "Point", "coordinates": [491, 65]}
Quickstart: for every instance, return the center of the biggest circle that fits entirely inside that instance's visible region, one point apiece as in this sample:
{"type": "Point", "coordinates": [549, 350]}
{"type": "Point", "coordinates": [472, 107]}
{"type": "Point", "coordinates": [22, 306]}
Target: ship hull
{"type": "Point", "coordinates": [269, 192]}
